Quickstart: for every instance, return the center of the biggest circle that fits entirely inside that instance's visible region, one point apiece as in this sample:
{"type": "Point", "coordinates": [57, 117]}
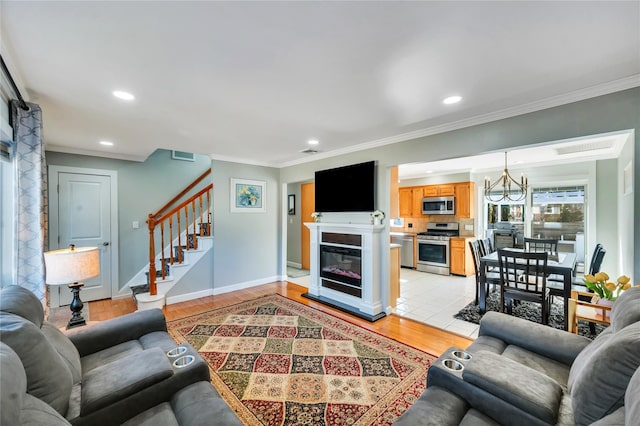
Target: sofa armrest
{"type": "Point", "coordinates": [516, 384]}
{"type": "Point", "coordinates": [117, 380]}
{"type": "Point", "coordinates": [552, 343]}
{"type": "Point", "coordinates": [105, 334]}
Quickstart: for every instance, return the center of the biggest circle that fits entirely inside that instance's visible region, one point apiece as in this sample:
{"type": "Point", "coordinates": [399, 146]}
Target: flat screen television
{"type": "Point", "coordinates": [346, 189]}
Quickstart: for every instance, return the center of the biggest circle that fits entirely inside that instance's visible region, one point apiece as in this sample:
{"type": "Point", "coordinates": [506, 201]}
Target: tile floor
{"type": "Point", "coordinates": [434, 299]}
{"type": "Point", "coordinates": [430, 298]}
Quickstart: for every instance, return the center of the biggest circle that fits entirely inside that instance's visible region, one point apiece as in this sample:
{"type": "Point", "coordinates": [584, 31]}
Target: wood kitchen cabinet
{"type": "Point", "coordinates": [461, 262]}
{"type": "Point", "coordinates": [411, 201]}
{"type": "Point", "coordinates": [439, 190]}
{"type": "Point", "coordinates": [464, 200]}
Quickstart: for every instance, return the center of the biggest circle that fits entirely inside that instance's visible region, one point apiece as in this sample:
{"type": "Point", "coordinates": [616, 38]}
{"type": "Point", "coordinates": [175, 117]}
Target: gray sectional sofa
{"type": "Point", "coordinates": [524, 373]}
{"type": "Point", "coordinates": [109, 373]}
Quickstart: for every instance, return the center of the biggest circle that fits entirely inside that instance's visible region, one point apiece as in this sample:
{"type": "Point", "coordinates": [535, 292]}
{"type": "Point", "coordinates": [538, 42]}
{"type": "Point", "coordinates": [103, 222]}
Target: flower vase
{"type": "Point", "coordinates": [377, 221]}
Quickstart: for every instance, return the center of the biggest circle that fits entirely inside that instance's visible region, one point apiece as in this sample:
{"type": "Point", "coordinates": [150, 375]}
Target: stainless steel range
{"type": "Point", "coordinates": [434, 248]}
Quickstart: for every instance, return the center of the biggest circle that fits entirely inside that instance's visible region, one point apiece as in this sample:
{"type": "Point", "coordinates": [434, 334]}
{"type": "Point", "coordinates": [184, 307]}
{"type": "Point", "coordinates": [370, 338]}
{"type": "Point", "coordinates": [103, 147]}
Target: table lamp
{"type": "Point", "coordinates": [70, 266]}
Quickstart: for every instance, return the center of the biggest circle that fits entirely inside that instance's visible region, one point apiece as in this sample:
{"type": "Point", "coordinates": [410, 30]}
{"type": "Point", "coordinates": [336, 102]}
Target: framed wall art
{"type": "Point", "coordinates": [292, 204]}
{"type": "Point", "coordinates": [248, 196]}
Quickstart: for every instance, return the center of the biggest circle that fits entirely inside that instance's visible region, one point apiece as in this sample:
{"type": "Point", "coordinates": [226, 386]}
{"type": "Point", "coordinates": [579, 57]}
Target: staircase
{"type": "Point", "coordinates": [183, 230]}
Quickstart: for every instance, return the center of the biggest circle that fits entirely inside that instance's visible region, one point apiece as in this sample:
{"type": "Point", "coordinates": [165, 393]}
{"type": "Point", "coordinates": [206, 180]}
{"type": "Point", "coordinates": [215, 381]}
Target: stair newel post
{"type": "Point", "coordinates": [153, 289]}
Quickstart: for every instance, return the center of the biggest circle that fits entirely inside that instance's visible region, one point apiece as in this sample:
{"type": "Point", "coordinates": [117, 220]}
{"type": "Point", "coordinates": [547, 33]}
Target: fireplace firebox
{"type": "Point", "coordinates": [341, 269]}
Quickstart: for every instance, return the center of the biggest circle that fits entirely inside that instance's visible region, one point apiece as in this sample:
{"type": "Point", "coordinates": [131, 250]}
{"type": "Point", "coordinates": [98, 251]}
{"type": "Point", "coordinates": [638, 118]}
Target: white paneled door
{"type": "Point", "coordinates": [84, 218]}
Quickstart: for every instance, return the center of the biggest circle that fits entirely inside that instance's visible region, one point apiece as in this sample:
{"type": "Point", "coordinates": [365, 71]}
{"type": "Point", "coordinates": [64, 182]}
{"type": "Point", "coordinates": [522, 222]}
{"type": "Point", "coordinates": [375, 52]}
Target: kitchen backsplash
{"type": "Point", "coordinates": [420, 224]}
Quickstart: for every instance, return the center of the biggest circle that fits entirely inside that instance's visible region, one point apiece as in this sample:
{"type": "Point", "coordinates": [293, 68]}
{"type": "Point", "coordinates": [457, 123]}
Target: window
{"type": "Point", "coordinates": [7, 205]}
{"type": "Point", "coordinates": [558, 213]}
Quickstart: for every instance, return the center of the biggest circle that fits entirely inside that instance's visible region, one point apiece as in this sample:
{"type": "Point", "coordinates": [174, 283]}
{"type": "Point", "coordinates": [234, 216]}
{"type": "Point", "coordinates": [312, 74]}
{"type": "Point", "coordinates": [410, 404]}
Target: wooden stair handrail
{"type": "Point", "coordinates": [181, 194]}
{"type": "Point", "coordinates": [162, 215]}
{"type": "Point", "coordinates": [184, 203]}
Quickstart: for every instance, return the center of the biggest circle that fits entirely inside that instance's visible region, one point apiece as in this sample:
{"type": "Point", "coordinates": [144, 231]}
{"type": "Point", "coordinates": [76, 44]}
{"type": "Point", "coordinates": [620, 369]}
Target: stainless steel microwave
{"type": "Point", "coordinates": [439, 205]}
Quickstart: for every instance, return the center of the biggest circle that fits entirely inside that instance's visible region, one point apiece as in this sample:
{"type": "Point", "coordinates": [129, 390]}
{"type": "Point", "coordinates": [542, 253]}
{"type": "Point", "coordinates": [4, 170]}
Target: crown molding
{"type": "Point", "coordinates": [554, 101]}
{"type": "Point", "coordinates": [242, 161]}
{"type": "Point", "coordinates": [77, 151]}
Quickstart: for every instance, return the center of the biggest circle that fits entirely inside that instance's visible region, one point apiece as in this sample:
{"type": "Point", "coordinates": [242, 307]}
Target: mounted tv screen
{"type": "Point", "coordinates": [346, 189]}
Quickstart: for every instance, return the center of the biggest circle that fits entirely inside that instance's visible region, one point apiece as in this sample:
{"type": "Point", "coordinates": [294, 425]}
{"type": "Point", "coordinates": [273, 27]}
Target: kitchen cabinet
{"type": "Point", "coordinates": [464, 200]}
{"type": "Point", "coordinates": [461, 262]}
{"type": "Point", "coordinates": [439, 190]}
{"type": "Point", "coordinates": [411, 201]}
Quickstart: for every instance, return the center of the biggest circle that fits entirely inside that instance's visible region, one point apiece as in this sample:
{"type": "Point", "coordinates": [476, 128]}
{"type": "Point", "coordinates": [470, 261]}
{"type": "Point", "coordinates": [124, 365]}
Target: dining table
{"type": "Point", "coordinates": [558, 263]}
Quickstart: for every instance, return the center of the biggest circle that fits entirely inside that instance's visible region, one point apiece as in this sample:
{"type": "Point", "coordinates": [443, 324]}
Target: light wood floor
{"type": "Point", "coordinates": [429, 339]}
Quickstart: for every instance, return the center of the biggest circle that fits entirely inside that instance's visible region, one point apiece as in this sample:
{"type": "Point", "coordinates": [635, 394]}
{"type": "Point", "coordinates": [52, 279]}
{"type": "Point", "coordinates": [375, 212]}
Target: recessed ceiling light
{"type": "Point", "coordinates": [429, 171]}
{"type": "Point", "coordinates": [313, 142]}
{"type": "Point", "coordinates": [106, 143]}
{"type": "Point", "coordinates": [452, 100]}
{"type": "Point", "coordinates": [123, 95]}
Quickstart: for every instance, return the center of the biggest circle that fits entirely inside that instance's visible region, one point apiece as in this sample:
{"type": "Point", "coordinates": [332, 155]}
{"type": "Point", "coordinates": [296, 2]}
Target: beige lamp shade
{"type": "Point", "coordinates": [71, 265]}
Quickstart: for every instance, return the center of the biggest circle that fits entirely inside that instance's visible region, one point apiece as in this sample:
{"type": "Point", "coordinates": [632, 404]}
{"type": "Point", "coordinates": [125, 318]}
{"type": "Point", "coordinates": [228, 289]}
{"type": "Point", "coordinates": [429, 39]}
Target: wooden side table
{"type": "Point", "coordinates": [587, 310]}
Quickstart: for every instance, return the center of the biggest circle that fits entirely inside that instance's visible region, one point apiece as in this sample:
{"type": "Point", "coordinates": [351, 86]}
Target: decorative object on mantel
{"type": "Point", "coordinates": [276, 361]}
{"type": "Point", "coordinates": [377, 216]}
{"type": "Point", "coordinates": [518, 193]}
{"type": "Point", "coordinates": [316, 216]}
{"type": "Point", "coordinates": [600, 285]}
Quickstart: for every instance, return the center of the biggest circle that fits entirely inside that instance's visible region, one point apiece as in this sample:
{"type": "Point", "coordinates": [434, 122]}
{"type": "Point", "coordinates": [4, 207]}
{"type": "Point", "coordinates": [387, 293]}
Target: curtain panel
{"type": "Point", "coordinates": [31, 198]}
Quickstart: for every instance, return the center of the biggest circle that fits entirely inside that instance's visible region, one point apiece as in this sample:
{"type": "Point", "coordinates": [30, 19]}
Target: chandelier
{"type": "Point", "coordinates": [506, 187]}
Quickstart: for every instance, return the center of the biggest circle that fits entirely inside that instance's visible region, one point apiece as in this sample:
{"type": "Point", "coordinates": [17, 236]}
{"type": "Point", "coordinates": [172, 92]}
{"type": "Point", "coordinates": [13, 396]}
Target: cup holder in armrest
{"type": "Point", "coordinates": [183, 361]}
{"type": "Point", "coordinates": [461, 355]}
{"type": "Point", "coordinates": [452, 365]}
{"type": "Point", "coordinates": [177, 351]}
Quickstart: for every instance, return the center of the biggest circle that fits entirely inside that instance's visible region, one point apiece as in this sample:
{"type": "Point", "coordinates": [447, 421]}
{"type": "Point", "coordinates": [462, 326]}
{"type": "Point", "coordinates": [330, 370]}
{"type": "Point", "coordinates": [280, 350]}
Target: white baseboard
{"type": "Point", "coordinates": [246, 284]}
{"type": "Point", "coordinates": [189, 296]}
{"type": "Point", "coordinates": [294, 264]}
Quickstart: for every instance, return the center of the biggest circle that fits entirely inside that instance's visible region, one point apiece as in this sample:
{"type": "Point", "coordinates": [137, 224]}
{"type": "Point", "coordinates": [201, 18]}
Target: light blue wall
{"type": "Point", "coordinates": [143, 188]}
{"type": "Point", "coordinates": [247, 247]}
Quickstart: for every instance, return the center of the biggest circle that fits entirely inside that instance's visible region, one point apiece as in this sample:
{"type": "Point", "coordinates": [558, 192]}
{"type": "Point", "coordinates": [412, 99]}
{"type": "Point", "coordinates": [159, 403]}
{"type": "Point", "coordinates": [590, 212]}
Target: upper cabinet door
{"type": "Point", "coordinates": [464, 200]}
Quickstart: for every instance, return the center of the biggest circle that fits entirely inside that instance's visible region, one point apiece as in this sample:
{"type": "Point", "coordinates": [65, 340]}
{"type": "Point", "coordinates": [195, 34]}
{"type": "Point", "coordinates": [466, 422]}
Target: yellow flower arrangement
{"type": "Point", "coordinates": [604, 288]}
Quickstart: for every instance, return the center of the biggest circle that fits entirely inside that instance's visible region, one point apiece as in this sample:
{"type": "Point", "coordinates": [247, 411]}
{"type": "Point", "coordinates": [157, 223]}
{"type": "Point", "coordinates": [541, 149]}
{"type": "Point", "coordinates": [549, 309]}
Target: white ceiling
{"type": "Point", "coordinates": [253, 81]}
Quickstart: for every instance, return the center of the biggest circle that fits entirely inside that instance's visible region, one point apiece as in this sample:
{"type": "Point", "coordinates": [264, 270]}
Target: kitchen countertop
{"type": "Point", "coordinates": [403, 234]}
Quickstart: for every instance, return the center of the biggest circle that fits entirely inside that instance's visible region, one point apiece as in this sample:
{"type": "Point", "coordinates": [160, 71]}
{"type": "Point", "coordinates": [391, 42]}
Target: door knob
{"type": "Point", "coordinates": [106, 243]}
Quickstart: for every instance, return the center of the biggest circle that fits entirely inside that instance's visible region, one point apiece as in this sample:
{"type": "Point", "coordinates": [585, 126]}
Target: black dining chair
{"type": "Point", "coordinates": [486, 246]}
{"type": "Point", "coordinates": [523, 277]}
{"type": "Point", "coordinates": [491, 278]}
{"type": "Point", "coordinates": [538, 244]}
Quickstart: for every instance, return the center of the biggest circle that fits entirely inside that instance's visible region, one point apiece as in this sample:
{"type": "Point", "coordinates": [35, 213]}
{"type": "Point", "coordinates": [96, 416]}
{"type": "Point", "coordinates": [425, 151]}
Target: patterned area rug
{"type": "Point", "coordinates": [278, 362]}
{"type": "Point", "coordinates": [529, 311]}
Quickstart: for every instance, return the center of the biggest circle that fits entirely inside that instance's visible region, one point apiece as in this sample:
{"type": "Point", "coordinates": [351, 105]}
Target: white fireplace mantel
{"type": "Point", "coordinates": [369, 306]}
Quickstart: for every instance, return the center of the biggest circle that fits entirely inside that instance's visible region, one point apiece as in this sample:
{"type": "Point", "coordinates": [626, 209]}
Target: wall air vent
{"type": "Point", "coordinates": [585, 147]}
{"type": "Point", "coordinates": [309, 151]}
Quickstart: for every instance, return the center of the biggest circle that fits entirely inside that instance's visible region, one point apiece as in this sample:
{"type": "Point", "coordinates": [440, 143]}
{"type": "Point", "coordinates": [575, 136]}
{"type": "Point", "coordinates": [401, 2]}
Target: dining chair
{"type": "Point", "coordinates": [523, 277]}
{"type": "Point", "coordinates": [538, 244]}
{"type": "Point", "coordinates": [491, 278]}
{"type": "Point", "coordinates": [485, 246]}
